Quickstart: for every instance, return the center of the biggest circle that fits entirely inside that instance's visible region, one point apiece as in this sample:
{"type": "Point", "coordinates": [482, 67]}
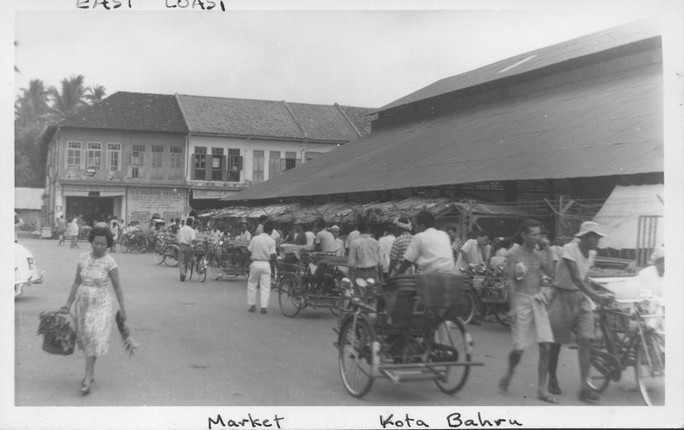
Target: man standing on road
{"type": "Point", "coordinates": [186, 235]}
{"type": "Point", "coordinates": [430, 249]}
{"type": "Point", "coordinates": [364, 255]}
{"type": "Point", "coordinates": [263, 251]}
{"type": "Point", "coordinates": [528, 304]}
{"type": "Point", "coordinates": [570, 309]}
{"type": "Point", "coordinates": [386, 242]}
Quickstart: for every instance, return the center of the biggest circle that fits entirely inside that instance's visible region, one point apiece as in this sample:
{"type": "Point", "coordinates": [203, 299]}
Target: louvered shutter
{"type": "Point", "coordinates": [207, 166]}
{"type": "Point", "coordinates": [224, 168]}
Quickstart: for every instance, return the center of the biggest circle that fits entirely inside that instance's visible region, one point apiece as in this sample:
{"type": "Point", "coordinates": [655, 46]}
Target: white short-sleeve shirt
{"type": "Point", "coordinates": [262, 247]}
{"type": "Point", "coordinates": [431, 251]}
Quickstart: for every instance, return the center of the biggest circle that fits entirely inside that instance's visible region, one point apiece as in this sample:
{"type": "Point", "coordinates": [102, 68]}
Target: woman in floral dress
{"type": "Point", "coordinates": [92, 301]}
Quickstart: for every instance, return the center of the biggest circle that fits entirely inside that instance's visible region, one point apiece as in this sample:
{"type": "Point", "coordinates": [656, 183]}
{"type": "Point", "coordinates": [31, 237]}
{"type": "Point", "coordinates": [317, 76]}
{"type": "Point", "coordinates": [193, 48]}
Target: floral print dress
{"type": "Point", "coordinates": [93, 304]}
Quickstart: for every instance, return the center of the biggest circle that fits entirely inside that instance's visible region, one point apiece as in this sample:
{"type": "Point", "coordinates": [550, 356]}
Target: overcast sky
{"type": "Point", "coordinates": [362, 58]}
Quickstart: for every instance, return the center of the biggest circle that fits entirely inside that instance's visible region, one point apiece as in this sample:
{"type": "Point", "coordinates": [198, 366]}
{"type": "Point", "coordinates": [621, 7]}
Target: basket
{"type": "Point", "coordinates": [617, 320]}
{"type": "Point", "coordinates": [59, 332]}
{"type": "Point", "coordinates": [434, 292]}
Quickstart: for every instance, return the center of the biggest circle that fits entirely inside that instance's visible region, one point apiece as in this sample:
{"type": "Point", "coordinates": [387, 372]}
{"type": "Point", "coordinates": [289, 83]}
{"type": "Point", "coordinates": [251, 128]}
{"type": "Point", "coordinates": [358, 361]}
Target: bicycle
{"type": "Point", "coordinates": [489, 295]}
{"type": "Point", "coordinates": [198, 261]}
{"type": "Point", "coordinates": [166, 250]}
{"type": "Point", "coordinates": [629, 336]}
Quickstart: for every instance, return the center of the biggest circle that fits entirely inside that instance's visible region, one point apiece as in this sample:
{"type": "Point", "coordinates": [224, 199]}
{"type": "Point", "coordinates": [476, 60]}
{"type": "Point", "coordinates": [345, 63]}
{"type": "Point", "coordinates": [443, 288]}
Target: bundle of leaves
{"type": "Point", "coordinates": [59, 332]}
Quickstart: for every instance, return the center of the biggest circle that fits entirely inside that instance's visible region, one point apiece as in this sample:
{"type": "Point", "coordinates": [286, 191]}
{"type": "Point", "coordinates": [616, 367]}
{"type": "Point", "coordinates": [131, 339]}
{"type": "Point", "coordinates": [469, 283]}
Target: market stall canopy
{"type": "Point", "coordinates": [619, 215]}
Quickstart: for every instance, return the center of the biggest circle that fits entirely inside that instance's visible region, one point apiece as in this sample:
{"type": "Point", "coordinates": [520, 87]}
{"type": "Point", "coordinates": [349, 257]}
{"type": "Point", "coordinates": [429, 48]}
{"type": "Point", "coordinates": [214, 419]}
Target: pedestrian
{"type": "Point", "coordinates": [401, 243]}
{"type": "Point", "coordinates": [430, 249]}
{"type": "Point", "coordinates": [364, 258]}
{"type": "Point", "coordinates": [325, 241]}
{"type": "Point", "coordinates": [245, 235]}
{"type": "Point", "coordinates": [61, 229]}
{"type": "Point", "coordinates": [473, 251]}
{"type": "Point", "coordinates": [175, 226]}
{"type": "Point", "coordinates": [186, 235]}
{"type": "Point", "coordinates": [456, 242]}
{"type": "Point", "coordinates": [298, 235]}
{"type": "Point", "coordinates": [114, 230]}
{"type": "Point", "coordinates": [92, 301]}
{"type": "Point", "coordinates": [262, 250]}
{"type": "Point", "coordinates": [73, 232]}
{"type": "Point", "coordinates": [570, 309]}
{"type": "Point", "coordinates": [528, 302]}
{"type": "Point", "coordinates": [386, 242]}
{"type": "Point", "coordinates": [353, 235]}
{"type": "Point", "coordinates": [335, 230]}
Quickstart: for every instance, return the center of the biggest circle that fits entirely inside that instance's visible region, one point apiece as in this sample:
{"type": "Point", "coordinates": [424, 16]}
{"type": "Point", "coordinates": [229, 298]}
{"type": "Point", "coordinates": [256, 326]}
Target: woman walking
{"type": "Point", "coordinates": [92, 301]}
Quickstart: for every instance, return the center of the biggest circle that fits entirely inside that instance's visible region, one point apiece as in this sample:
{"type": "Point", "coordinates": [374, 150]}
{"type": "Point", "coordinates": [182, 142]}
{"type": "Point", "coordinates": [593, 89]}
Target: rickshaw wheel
{"type": "Point", "coordinates": [202, 269]}
{"type": "Point", "coordinates": [449, 344]}
{"type": "Point", "coordinates": [356, 356]}
{"type": "Point", "coordinates": [342, 302]}
{"type": "Point", "coordinates": [289, 295]}
{"type": "Point", "coordinates": [171, 253]}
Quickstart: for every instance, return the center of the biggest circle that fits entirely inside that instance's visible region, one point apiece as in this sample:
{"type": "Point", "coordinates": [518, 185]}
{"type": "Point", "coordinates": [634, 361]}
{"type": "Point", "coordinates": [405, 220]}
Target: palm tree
{"type": "Point", "coordinates": [96, 94]}
{"type": "Point", "coordinates": [33, 102]}
{"type": "Point", "coordinates": [71, 97]}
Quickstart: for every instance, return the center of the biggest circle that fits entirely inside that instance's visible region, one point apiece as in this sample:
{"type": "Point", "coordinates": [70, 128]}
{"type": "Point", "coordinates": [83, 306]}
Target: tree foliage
{"type": "Point", "coordinates": [36, 108]}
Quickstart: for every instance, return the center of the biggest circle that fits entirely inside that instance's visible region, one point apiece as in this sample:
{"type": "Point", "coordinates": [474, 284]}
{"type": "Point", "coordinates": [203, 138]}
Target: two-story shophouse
{"type": "Point", "coordinates": [234, 143]}
{"type": "Point", "coordinates": [134, 155]}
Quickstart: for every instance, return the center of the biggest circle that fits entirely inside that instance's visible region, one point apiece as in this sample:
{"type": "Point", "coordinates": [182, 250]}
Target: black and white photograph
{"type": "Point", "coordinates": [322, 215]}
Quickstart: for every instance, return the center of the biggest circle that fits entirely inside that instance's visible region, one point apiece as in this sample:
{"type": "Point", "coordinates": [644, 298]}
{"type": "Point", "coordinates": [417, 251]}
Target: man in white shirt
{"type": "Point", "coordinates": [386, 242]}
{"type": "Point", "coordinates": [473, 251]}
{"type": "Point", "coordinates": [352, 236]}
{"type": "Point", "coordinates": [310, 238]}
{"type": "Point", "coordinates": [652, 278]}
{"type": "Point", "coordinates": [262, 250]}
{"type": "Point", "coordinates": [186, 235]}
{"type": "Point", "coordinates": [325, 241]}
{"type": "Point", "coordinates": [245, 235]}
{"type": "Point", "coordinates": [335, 230]}
{"type": "Point", "coordinates": [430, 249]}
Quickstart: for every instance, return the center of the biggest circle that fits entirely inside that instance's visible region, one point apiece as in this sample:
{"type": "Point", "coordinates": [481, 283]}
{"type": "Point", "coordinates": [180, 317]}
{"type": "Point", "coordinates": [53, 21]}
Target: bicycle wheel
{"type": "Point", "coordinates": [650, 369]}
{"type": "Point", "coordinates": [159, 257]}
{"type": "Point", "coordinates": [450, 344]}
{"type": "Point", "coordinates": [171, 253]}
{"type": "Point", "coordinates": [202, 269]}
{"type": "Point", "coordinates": [191, 268]}
{"type": "Point", "coordinates": [355, 346]}
{"type": "Point", "coordinates": [467, 313]}
{"type": "Point", "coordinates": [290, 295]}
{"type": "Point", "coordinates": [602, 363]}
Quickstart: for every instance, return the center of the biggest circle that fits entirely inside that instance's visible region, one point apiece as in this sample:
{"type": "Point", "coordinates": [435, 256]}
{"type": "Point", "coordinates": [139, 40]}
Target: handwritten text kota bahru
{"type": "Point", "coordinates": [454, 420]}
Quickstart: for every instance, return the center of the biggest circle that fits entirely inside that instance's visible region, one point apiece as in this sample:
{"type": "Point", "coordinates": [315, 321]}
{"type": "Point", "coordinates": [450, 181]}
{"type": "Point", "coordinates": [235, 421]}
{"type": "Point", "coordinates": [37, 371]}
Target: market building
{"type": "Point", "coordinates": [135, 155]}
{"type": "Point", "coordinates": [539, 131]}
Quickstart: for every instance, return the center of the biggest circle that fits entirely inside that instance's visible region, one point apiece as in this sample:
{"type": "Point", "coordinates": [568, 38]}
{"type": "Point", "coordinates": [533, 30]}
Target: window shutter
{"type": "Point", "coordinates": [129, 160]}
{"type": "Point", "coordinates": [224, 168]}
{"type": "Point", "coordinates": [207, 167]}
{"type": "Point", "coordinates": [193, 174]}
{"type": "Point", "coordinates": [240, 162]}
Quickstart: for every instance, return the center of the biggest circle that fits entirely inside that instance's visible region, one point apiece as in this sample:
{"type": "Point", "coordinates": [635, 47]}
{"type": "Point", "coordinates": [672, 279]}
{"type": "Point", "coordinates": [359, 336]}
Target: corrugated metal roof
{"type": "Point", "coordinates": [611, 125]}
{"type": "Point", "coordinates": [619, 215]}
{"type": "Point", "coordinates": [267, 118]}
{"type": "Point", "coordinates": [537, 59]}
{"type": "Point", "coordinates": [28, 198]}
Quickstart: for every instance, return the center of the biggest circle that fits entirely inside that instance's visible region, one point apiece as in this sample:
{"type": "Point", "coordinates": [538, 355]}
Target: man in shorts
{"type": "Point", "coordinates": [570, 310]}
{"type": "Point", "coordinates": [528, 304]}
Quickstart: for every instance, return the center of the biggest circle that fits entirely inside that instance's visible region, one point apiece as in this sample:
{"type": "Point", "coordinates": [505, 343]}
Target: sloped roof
{"type": "Point", "coordinates": [28, 198]}
{"type": "Point", "coordinates": [534, 60]}
{"type": "Point", "coordinates": [131, 111]}
{"type": "Point", "coordinates": [619, 215]}
{"type": "Point", "coordinates": [609, 125]}
{"type": "Point", "coordinates": [274, 119]}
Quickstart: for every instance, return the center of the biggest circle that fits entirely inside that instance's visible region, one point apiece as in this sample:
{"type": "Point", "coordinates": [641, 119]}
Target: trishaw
{"type": "Point", "coordinates": [228, 259]}
{"type": "Point", "coordinates": [409, 331]}
{"type": "Point", "coordinates": [312, 281]}
{"type": "Point", "coordinates": [166, 250]}
{"type": "Point", "coordinates": [489, 295]}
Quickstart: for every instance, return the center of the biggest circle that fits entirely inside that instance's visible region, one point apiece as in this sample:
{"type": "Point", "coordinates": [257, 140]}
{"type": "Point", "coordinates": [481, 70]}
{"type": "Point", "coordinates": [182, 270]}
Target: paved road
{"type": "Point", "coordinates": [200, 346]}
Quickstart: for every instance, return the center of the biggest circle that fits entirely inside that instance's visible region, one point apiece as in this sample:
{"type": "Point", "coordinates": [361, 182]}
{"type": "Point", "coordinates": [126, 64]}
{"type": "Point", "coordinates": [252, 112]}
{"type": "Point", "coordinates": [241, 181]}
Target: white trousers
{"type": "Point", "coordinates": [259, 274]}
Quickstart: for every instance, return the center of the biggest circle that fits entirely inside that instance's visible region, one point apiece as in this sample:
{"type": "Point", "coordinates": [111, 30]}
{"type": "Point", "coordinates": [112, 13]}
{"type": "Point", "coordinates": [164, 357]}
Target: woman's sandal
{"type": "Point", "coordinates": [85, 388]}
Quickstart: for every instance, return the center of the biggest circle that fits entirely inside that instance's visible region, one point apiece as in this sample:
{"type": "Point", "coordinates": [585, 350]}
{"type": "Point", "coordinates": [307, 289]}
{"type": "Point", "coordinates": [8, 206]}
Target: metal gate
{"type": "Point", "coordinates": [646, 237]}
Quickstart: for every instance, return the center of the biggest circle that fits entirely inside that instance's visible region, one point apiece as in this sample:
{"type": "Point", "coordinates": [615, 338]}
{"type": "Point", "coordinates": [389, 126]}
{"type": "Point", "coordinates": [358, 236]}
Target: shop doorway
{"type": "Point", "coordinates": [92, 208]}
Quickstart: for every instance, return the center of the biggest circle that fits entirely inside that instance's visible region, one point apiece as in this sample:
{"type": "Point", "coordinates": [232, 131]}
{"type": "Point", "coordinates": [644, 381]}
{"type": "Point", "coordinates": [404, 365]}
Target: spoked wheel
{"type": "Point", "coordinates": [602, 364]}
{"type": "Point", "coordinates": [650, 370]}
{"type": "Point", "coordinates": [467, 313]}
{"type": "Point", "coordinates": [503, 316]}
{"type": "Point", "coordinates": [450, 344]}
{"type": "Point", "coordinates": [171, 255]}
{"type": "Point", "coordinates": [290, 295]}
{"type": "Point", "coordinates": [202, 269]}
{"type": "Point", "coordinates": [356, 355]}
{"type": "Point", "coordinates": [159, 257]}
{"type": "Point", "coordinates": [342, 303]}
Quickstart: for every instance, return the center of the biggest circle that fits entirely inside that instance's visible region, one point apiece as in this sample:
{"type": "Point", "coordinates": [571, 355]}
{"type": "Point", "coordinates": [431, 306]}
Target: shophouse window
{"type": "Point", "coordinates": [273, 164]}
{"type": "Point", "coordinates": [157, 154]}
{"type": "Point", "coordinates": [138, 155]}
{"type": "Point", "coordinates": [290, 160]}
{"type": "Point", "coordinates": [74, 154]}
{"type": "Point", "coordinates": [218, 162]}
{"type": "Point", "coordinates": [234, 165]}
{"type": "Point", "coordinates": [94, 155]}
{"type": "Point", "coordinates": [200, 163]}
{"type": "Point", "coordinates": [114, 156]}
{"type": "Point", "coordinates": [176, 161]}
{"type": "Point", "coordinates": [258, 166]}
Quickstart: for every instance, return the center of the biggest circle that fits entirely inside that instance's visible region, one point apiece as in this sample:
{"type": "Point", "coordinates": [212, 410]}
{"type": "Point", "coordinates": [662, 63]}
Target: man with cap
{"type": "Point", "coordinates": [570, 309]}
{"type": "Point", "coordinates": [401, 243]}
